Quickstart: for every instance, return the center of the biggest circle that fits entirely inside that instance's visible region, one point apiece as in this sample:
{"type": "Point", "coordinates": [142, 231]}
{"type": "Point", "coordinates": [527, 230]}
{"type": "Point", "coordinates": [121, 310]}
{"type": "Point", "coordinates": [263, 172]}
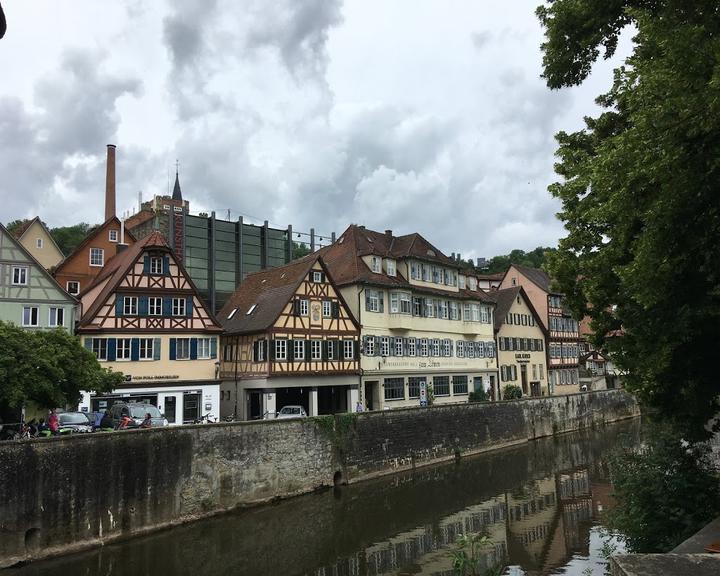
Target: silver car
{"type": "Point", "coordinates": [292, 412]}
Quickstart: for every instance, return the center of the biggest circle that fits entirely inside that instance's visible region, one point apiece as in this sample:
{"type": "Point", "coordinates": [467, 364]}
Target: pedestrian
{"type": "Point", "coordinates": [53, 423]}
{"type": "Point", "coordinates": [147, 423]}
{"type": "Point", "coordinates": [358, 406]}
{"type": "Point", "coordinates": [125, 421]}
{"type": "Point", "coordinates": [107, 421]}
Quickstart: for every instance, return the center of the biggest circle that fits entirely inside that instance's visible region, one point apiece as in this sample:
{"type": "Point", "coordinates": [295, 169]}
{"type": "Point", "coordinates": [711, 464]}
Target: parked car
{"type": "Point", "coordinates": [292, 412]}
{"type": "Point", "coordinates": [136, 411]}
{"type": "Point", "coordinates": [74, 422]}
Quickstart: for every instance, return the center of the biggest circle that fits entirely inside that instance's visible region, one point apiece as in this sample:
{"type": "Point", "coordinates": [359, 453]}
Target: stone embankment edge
{"type": "Point", "coordinates": [50, 551]}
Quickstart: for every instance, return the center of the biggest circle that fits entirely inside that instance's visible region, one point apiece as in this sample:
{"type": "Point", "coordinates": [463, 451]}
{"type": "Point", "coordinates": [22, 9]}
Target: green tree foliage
{"type": "Point", "coordinates": [48, 368]}
{"type": "Point", "coordinates": [69, 237]}
{"type": "Point", "coordinates": [665, 492]}
{"type": "Point", "coordinates": [300, 250]}
{"type": "Point", "coordinates": [535, 259]}
{"type": "Point", "coordinates": [512, 392]}
{"type": "Point", "coordinates": [15, 225]}
{"type": "Point", "coordinates": [640, 196]}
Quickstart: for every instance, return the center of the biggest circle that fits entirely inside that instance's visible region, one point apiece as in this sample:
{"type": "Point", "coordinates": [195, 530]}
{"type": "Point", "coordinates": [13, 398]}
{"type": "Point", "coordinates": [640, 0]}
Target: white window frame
{"type": "Point", "coordinates": [435, 347]}
{"type": "Point", "coordinates": [179, 307]}
{"type": "Point", "coordinates": [447, 347]}
{"type": "Point", "coordinates": [156, 265]}
{"type": "Point", "coordinates": [185, 342]}
{"type": "Point", "coordinates": [454, 310]}
{"type": "Point", "coordinates": [59, 316]}
{"type": "Point", "coordinates": [281, 350]}
{"type": "Point", "coordinates": [97, 348]}
{"type": "Point", "coordinates": [461, 282]}
{"type": "Point", "coordinates": [327, 308]}
{"type": "Point", "coordinates": [429, 308]}
{"type": "Point", "coordinates": [67, 287]}
{"type": "Point", "coordinates": [398, 346]}
{"type": "Point", "coordinates": [411, 346]}
{"type": "Point", "coordinates": [394, 302]}
{"type": "Point", "coordinates": [130, 305]}
{"type": "Point", "coordinates": [415, 271]}
{"type": "Point", "coordinates": [304, 307]}
{"type": "Point", "coordinates": [472, 283]}
{"type": "Point", "coordinates": [405, 303]}
{"type": "Point", "coordinates": [466, 312]}
{"type": "Point", "coordinates": [348, 349]}
{"type": "Point", "coordinates": [391, 267]}
{"type": "Point", "coordinates": [370, 346]}
{"type": "Point", "coordinates": [424, 347]}
{"type": "Point", "coordinates": [33, 311]}
{"type": "Point", "coordinates": [317, 276]}
{"type": "Point", "coordinates": [123, 349]}
{"type": "Point", "coordinates": [376, 264]}
{"type": "Point", "coordinates": [112, 235]}
{"type": "Point", "coordinates": [444, 312]}
{"type": "Point", "coordinates": [298, 346]}
{"type": "Point", "coordinates": [316, 350]}
{"type": "Point", "coordinates": [385, 346]}
{"type": "Point", "coordinates": [203, 348]}
{"type": "Point", "coordinates": [475, 311]}
{"type": "Point", "coordinates": [374, 301]}
{"type": "Point", "coordinates": [146, 349]}
{"type": "Point", "coordinates": [484, 315]}
{"type": "Point", "coordinates": [97, 252]}
{"type": "Point", "coordinates": [20, 275]}
{"type": "Point", "coordinates": [153, 308]}
{"type": "Point", "coordinates": [39, 242]}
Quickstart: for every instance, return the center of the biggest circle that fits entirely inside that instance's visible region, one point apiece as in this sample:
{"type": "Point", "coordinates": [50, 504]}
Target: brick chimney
{"type": "Point", "coordinates": [110, 183]}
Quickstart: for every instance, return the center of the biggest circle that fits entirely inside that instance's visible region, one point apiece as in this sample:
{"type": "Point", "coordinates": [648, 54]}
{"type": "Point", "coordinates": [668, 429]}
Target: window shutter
{"type": "Point", "coordinates": [167, 306]}
{"type": "Point", "coordinates": [256, 347]}
{"type": "Point", "coordinates": [193, 348]}
{"type": "Point", "coordinates": [135, 349]}
{"type": "Point", "coordinates": [213, 347]}
{"type": "Point", "coordinates": [364, 344]}
{"type": "Point", "coordinates": [118, 305]}
{"type": "Point", "coordinates": [322, 276]}
{"type": "Point", "coordinates": [296, 307]}
{"type": "Point", "coordinates": [308, 347]}
{"type": "Point", "coordinates": [173, 348]}
{"type": "Point", "coordinates": [323, 350]}
{"type": "Point", "coordinates": [156, 348]}
{"type": "Point", "coordinates": [356, 350]}
{"type": "Point", "coordinates": [367, 301]}
{"type": "Point", "coordinates": [336, 348]}
{"type": "Point", "coordinates": [335, 309]}
{"type": "Point", "coordinates": [378, 344]}
{"type": "Point", "coordinates": [143, 305]}
{"type": "Point", "coordinates": [381, 298]}
{"type": "Point", "coordinates": [166, 265]}
{"type": "Point", "coordinates": [392, 346]}
{"type": "Point", "coordinates": [189, 307]}
{"type": "Point", "coordinates": [290, 350]}
{"type": "Point", "coordinates": [88, 344]}
{"type": "Point", "coordinates": [111, 349]}
{"type": "Point", "coordinates": [146, 264]}
{"type": "Point", "coordinates": [272, 349]}
{"type": "Point", "coordinates": [264, 344]}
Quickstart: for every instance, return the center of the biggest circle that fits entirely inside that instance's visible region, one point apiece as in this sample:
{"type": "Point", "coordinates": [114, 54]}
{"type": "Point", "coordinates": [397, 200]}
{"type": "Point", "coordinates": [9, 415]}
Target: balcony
{"type": "Point", "coordinates": [400, 321]}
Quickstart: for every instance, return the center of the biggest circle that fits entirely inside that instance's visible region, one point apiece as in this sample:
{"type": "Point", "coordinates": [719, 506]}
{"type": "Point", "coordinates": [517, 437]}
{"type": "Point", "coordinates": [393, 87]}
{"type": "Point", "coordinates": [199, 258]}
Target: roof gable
{"type": "Point", "coordinates": [505, 298]}
{"type": "Point", "coordinates": [534, 275]}
{"type": "Point", "coordinates": [79, 251]}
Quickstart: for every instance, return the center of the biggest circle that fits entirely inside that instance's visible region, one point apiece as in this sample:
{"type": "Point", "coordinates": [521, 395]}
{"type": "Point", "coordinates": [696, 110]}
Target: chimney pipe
{"type": "Point", "coordinates": [110, 183]}
{"type": "Point", "coordinates": [388, 232]}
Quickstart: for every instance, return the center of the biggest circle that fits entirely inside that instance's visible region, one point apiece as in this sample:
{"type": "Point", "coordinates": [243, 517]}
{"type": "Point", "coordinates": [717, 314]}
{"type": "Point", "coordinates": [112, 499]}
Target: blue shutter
{"type": "Point", "coordinates": [172, 349]}
{"type": "Point", "coordinates": [111, 349]}
{"type": "Point", "coordinates": [156, 349]}
{"type": "Point", "coordinates": [193, 348]}
{"type": "Point", "coordinates": [88, 344]}
{"type": "Point", "coordinates": [146, 265]}
{"type": "Point", "coordinates": [118, 305]}
{"type": "Point", "coordinates": [167, 306]}
{"type": "Point", "coordinates": [189, 307]}
{"type": "Point", "coordinates": [213, 347]}
{"type": "Point", "coordinates": [143, 305]}
{"type": "Point", "coordinates": [166, 265]}
{"type": "Point", "coordinates": [135, 349]}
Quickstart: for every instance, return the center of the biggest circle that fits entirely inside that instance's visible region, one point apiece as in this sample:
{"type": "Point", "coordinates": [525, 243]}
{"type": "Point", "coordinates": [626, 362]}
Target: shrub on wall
{"type": "Point", "coordinates": [512, 392]}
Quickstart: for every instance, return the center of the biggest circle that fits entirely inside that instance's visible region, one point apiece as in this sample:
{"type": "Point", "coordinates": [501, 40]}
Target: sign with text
{"type": "Point", "coordinates": [423, 393]}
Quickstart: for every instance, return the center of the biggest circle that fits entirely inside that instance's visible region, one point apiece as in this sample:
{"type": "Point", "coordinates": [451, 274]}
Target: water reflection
{"type": "Point", "coordinates": [537, 503]}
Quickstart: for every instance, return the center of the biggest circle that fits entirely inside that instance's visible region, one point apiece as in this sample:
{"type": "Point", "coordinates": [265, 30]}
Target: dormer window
{"type": "Point", "coordinates": [472, 283]}
{"type": "Point", "coordinates": [376, 264]}
{"type": "Point", "coordinates": [113, 235]}
{"type": "Point", "coordinates": [318, 277]}
{"type": "Point", "coordinates": [156, 265]}
{"type": "Point", "coordinates": [390, 266]}
{"type": "Point", "coordinates": [461, 282]}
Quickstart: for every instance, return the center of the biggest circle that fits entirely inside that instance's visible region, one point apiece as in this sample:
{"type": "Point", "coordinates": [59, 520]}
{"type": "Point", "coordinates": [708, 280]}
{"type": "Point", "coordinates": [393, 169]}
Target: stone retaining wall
{"type": "Point", "coordinates": [59, 495]}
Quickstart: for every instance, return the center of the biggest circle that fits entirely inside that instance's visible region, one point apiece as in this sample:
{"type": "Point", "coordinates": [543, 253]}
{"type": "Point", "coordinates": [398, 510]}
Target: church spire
{"type": "Point", "coordinates": [177, 193]}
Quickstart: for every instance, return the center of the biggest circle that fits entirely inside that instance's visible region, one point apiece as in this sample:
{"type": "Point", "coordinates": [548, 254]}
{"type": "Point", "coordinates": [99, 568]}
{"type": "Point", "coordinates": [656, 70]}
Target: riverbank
{"type": "Point", "coordinates": [66, 494]}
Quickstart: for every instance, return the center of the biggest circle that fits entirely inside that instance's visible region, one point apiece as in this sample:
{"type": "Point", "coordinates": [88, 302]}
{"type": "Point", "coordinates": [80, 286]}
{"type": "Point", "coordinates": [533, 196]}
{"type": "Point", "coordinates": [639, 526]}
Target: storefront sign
{"type": "Point", "coordinates": [423, 393]}
{"type": "Point", "coordinates": [522, 356]}
{"type": "Point", "coordinates": [130, 378]}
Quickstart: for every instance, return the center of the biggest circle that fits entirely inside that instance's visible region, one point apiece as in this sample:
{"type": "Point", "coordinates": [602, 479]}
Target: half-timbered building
{"type": "Point", "coordinates": [290, 339]}
{"type": "Point", "coordinates": [143, 316]}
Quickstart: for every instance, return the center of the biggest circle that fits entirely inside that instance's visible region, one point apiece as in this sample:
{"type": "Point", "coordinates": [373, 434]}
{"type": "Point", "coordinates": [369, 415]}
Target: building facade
{"type": "Point", "coordinates": [143, 317]}
{"type": "Point", "coordinates": [521, 343]}
{"type": "Point", "coordinates": [427, 334]}
{"type": "Point", "coordinates": [563, 342]}
{"type": "Point", "coordinates": [80, 269]}
{"type": "Point", "coordinates": [29, 296]}
{"type": "Point", "coordinates": [38, 241]}
{"type": "Point", "coordinates": [290, 340]}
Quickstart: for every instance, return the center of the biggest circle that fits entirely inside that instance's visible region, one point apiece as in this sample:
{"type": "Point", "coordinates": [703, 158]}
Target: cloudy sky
{"type": "Point", "coordinates": [414, 115]}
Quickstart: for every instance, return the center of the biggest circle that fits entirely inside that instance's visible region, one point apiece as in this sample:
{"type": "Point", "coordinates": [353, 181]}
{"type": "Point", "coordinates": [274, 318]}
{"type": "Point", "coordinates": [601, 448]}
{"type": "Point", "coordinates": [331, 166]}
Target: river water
{"type": "Point", "coordinates": [540, 505]}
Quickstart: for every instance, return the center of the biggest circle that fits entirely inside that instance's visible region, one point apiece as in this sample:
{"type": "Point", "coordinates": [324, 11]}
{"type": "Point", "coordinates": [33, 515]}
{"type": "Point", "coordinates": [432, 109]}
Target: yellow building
{"type": "Point", "coordinates": [143, 317]}
{"type": "Point", "coordinates": [427, 331]}
{"type": "Point", "coordinates": [36, 239]}
{"type": "Point", "coordinates": [521, 342]}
